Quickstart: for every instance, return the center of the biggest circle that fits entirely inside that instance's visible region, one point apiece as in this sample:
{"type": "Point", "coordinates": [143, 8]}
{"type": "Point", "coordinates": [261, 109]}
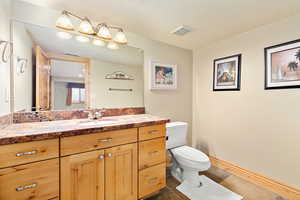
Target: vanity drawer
{"type": "Point", "coordinates": [83, 143]}
{"type": "Point", "coordinates": [152, 152]}
{"type": "Point", "coordinates": [36, 181]}
{"type": "Point", "coordinates": [150, 132]}
{"type": "Point", "coordinates": [152, 180]}
{"type": "Point", "coordinates": [16, 154]}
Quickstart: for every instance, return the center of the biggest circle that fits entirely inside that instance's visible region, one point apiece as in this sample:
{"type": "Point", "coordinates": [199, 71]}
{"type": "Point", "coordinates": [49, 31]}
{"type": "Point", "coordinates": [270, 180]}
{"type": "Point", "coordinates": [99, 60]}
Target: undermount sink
{"type": "Point", "coordinates": [96, 123]}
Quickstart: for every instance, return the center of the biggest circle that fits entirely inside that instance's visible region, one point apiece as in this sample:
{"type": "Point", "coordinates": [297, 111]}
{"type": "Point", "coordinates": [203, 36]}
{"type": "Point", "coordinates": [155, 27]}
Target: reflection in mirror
{"type": "Point", "coordinates": [56, 70]}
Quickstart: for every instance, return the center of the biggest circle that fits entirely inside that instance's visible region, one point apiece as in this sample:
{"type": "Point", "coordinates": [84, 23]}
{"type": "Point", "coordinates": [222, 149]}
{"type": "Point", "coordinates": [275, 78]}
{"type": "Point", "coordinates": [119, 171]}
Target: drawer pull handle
{"type": "Point", "coordinates": [105, 140]}
{"type": "Point", "coordinates": [18, 189]}
{"type": "Point", "coordinates": [153, 180]}
{"type": "Point", "coordinates": [153, 131]}
{"type": "Point", "coordinates": [153, 153]}
{"type": "Point", "coordinates": [26, 153]}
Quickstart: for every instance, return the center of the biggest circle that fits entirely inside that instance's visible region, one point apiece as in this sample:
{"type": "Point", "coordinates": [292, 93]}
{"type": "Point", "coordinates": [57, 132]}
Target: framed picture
{"type": "Point", "coordinates": [163, 76]}
{"type": "Point", "coordinates": [227, 73]}
{"type": "Point", "coordinates": [282, 66]}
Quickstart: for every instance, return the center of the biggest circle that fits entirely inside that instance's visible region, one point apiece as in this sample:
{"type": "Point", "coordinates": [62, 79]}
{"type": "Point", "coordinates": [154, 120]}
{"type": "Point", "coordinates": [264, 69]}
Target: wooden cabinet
{"type": "Point", "coordinates": [124, 164]}
{"type": "Point", "coordinates": [121, 173]}
{"type": "Point", "coordinates": [82, 176]}
{"type": "Point", "coordinates": [36, 181]}
{"type": "Point", "coordinates": [109, 174]}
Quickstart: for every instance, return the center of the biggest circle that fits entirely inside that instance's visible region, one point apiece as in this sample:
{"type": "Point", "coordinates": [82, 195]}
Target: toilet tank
{"type": "Point", "coordinates": [176, 134]}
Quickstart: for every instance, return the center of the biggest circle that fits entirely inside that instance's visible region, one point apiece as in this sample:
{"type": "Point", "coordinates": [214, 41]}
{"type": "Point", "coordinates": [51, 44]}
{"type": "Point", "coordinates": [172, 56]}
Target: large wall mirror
{"type": "Point", "coordinates": [53, 70]}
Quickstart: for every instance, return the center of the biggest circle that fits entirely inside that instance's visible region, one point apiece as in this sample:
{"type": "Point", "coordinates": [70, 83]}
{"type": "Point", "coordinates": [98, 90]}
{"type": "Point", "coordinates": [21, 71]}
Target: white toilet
{"type": "Point", "coordinates": [188, 161]}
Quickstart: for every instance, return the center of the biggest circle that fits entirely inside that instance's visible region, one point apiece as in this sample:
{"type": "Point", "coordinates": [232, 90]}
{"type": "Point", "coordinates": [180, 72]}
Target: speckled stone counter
{"type": "Point", "coordinates": [27, 132]}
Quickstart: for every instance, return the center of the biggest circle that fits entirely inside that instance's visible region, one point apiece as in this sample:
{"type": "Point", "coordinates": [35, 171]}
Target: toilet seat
{"type": "Point", "coordinates": [191, 157]}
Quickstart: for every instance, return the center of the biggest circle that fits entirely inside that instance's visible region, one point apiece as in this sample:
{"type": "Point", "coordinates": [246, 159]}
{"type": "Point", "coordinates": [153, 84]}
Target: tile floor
{"type": "Point", "coordinates": [238, 185]}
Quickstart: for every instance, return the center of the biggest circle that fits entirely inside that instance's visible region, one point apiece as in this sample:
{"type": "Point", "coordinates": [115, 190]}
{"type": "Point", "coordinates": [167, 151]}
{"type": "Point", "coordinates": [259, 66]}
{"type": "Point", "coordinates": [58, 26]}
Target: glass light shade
{"type": "Point", "coordinates": [86, 27]}
{"type": "Point", "coordinates": [64, 35]}
{"type": "Point", "coordinates": [81, 38]}
{"type": "Point", "coordinates": [64, 22]}
{"type": "Point", "coordinates": [120, 38]}
{"type": "Point", "coordinates": [113, 45]}
{"type": "Point", "coordinates": [97, 42]}
{"type": "Point", "coordinates": [104, 33]}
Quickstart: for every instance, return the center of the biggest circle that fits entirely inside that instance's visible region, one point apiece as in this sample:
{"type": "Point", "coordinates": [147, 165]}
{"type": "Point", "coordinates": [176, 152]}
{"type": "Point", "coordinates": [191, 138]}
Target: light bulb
{"type": "Point", "coordinates": [86, 27]}
{"type": "Point", "coordinates": [81, 38]}
{"type": "Point", "coordinates": [120, 38]}
{"type": "Point", "coordinates": [97, 42]}
{"type": "Point", "coordinates": [113, 45]}
{"type": "Point", "coordinates": [64, 22]}
{"type": "Point", "coordinates": [104, 33]}
{"type": "Point", "coordinates": [64, 35]}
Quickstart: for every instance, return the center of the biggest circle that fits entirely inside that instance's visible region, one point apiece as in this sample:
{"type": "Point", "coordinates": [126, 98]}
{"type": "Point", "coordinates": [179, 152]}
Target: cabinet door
{"type": "Point", "coordinates": [82, 176]}
{"type": "Point", "coordinates": [121, 173]}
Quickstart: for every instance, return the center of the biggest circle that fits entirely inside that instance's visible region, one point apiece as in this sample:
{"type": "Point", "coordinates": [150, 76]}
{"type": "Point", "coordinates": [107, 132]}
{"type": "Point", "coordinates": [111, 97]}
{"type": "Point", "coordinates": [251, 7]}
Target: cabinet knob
{"type": "Point", "coordinates": [109, 155]}
{"type": "Point", "coordinates": [101, 157]}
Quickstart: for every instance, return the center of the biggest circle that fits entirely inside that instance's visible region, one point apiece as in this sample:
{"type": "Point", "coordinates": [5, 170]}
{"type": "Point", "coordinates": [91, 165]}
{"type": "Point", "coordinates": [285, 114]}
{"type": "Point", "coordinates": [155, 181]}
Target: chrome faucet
{"type": "Point", "coordinates": [95, 115]}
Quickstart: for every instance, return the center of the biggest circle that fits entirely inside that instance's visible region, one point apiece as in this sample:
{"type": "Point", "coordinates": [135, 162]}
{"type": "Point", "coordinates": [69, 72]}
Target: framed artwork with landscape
{"type": "Point", "coordinates": [227, 73]}
{"type": "Point", "coordinates": [282, 66]}
{"type": "Point", "coordinates": [163, 76]}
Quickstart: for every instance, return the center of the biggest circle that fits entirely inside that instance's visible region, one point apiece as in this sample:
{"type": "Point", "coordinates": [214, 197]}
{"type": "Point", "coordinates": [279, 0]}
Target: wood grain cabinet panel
{"type": "Point", "coordinates": [16, 154]}
{"type": "Point", "coordinates": [151, 132]}
{"type": "Point", "coordinates": [152, 180]}
{"type": "Point", "coordinates": [152, 152]}
{"type": "Point", "coordinates": [82, 176]}
{"type": "Point", "coordinates": [121, 173]}
{"type": "Point", "coordinates": [36, 181]}
{"type": "Point", "coordinates": [83, 143]}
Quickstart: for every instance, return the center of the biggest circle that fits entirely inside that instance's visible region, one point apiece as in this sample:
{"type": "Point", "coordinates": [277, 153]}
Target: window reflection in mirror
{"type": "Point", "coordinates": [65, 74]}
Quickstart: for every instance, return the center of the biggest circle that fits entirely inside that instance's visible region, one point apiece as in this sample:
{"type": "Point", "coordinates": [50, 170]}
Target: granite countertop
{"type": "Point", "coordinates": [27, 132]}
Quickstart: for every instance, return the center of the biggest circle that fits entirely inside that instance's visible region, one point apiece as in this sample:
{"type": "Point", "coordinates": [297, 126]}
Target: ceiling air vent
{"type": "Point", "coordinates": [181, 30]}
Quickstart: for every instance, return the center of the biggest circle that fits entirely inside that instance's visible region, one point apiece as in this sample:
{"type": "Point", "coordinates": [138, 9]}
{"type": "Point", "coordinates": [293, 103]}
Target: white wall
{"type": "Point", "coordinates": [252, 128]}
{"type": "Point", "coordinates": [101, 97]}
{"type": "Point", "coordinates": [177, 105]}
{"type": "Point", "coordinates": [5, 13]}
{"type": "Point", "coordinates": [23, 48]}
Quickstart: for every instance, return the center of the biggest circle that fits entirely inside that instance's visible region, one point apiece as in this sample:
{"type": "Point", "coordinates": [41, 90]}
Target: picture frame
{"type": "Point", "coordinates": [227, 73]}
{"type": "Point", "coordinates": [163, 76]}
{"type": "Point", "coordinates": [282, 66]}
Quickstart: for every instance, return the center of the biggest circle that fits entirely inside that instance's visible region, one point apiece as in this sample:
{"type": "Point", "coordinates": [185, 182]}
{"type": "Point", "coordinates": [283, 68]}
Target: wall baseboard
{"type": "Point", "coordinates": [281, 189]}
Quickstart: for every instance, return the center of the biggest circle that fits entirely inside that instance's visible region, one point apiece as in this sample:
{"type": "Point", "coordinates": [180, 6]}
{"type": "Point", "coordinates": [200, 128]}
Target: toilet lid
{"type": "Point", "coordinates": [190, 153]}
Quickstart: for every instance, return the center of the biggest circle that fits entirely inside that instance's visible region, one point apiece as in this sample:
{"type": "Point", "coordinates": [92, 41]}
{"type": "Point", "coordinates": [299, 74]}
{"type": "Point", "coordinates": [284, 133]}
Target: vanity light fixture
{"type": "Point", "coordinates": [64, 35]}
{"type": "Point", "coordinates": [86, 27]}
{"type": "Point", "coordinates": [64, 22]}
{"type": "Point", "coordinates": [101, 30]}
{"type": "Point", "coordinates": [98, 42]}
{"type": "Point", "coordinates": [112, 45]}
{"type": "Point", "coordinates": [82, 39]}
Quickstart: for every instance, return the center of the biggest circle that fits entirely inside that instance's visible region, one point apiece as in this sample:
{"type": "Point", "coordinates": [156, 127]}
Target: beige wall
{"type": "Point", "coordinates": [253, 128]}
{"type": "Point", "coordinates": [5, 13]}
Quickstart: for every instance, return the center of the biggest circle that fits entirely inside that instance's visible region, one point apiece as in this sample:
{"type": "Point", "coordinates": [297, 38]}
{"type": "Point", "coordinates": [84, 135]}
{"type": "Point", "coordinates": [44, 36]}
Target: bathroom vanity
{"type": "Point", "coordinates": [115, 158]}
